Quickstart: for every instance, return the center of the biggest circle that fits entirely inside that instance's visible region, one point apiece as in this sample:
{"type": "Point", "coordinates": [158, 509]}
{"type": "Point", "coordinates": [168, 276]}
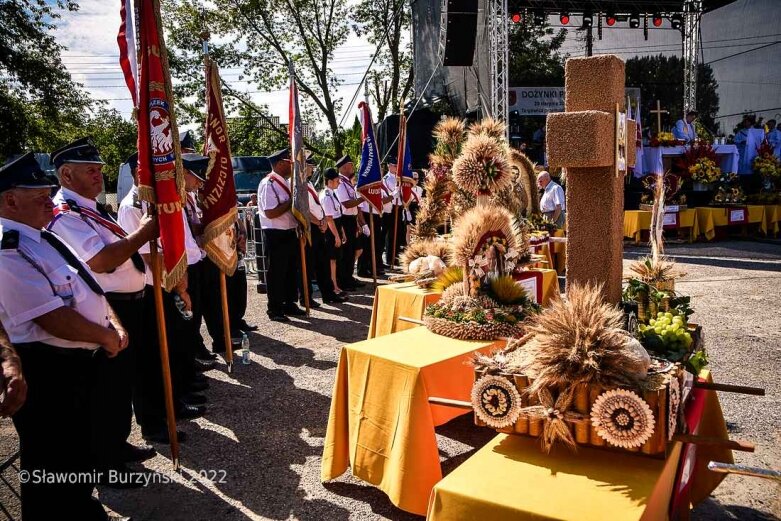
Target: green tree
{"type": "Point", "coordinates": [115, 137]}
{"type": "Point", "coordinates": [385, 23]}
{"type": "Point", "coordinates": [37, 95]}
{"type": "Point", "coordinates": [535, 54]}
{"type": "Point", "coordinates": [661, 78]}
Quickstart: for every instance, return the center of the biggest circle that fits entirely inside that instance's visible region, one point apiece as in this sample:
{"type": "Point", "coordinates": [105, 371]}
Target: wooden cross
{"type": "Point", "coordinates": [583, 139]}
{"type": "Point", "coordinates": [658, 113]}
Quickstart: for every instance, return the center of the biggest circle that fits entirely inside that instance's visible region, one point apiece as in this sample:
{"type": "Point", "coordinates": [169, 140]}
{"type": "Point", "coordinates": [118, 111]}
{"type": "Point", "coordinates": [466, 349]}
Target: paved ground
{"type": "Point", "coordinates": [265, 426]}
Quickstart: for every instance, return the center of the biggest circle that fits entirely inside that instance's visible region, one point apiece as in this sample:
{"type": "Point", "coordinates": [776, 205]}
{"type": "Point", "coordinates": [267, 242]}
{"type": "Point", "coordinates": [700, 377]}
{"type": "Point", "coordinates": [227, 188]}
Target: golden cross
{"type": "Point", "coordinates": [659, 113]}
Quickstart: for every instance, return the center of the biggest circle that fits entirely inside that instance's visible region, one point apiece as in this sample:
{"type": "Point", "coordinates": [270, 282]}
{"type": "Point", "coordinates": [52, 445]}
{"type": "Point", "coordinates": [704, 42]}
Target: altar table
{"type": "Point", "coordinates": [381, 425]}
{"type": "Point", "coordinates": [407, 299]}
{"type": "Point", "coordinates": [638, 221]}
{"type": "Point", "coordinates": [511, 478]}
{"type": "Point", "coordinates": [653, 158]}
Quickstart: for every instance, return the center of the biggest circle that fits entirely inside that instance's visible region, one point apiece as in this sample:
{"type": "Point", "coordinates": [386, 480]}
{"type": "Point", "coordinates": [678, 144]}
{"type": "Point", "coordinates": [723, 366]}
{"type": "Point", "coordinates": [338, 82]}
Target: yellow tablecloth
{"type": "Point", "coordinates": [711, 217]}
{"type": "Point", "coordinates": [772, 217]}
{"type": "Point", "coordinates": [510, 478]}
{"type": "Point", "coordinates": [560, 252]}
{"type": "Point", "coordinates": [381, 424]}
{"type": "Point", "coordinates": [391, 301]}
{"type": "Point", "coordinates": [406, 299]}
{"type": "Point", "coordinates": [637, 221]}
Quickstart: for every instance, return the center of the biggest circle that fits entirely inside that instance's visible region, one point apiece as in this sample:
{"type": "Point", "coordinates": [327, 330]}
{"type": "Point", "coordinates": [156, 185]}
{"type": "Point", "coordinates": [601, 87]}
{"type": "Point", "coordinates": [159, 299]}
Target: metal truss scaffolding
{"type": "Point", "coordinates": [498, 23]}
{"type": "Point", "coordinates": [692, 12]}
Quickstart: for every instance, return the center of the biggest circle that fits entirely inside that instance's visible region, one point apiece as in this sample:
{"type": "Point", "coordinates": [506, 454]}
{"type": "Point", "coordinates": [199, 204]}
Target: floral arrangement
{"type": "Point", "coordinates": [704, 171]}
{"type": "Point", "coordinates": [729, 191]}
{"type": "Point", "coordinates": [672, 187]}
{"type": "Point", "coordinates": [665, 139]}
{"type": "Point", "coordinates": [539, 222]}
{"type": "Point", "coordinates": [766, 164]}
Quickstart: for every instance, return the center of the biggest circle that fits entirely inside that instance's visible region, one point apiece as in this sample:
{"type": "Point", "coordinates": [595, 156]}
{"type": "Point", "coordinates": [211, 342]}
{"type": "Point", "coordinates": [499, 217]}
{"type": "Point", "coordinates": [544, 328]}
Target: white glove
{"type": "Point", "coordinates": [365, 230]}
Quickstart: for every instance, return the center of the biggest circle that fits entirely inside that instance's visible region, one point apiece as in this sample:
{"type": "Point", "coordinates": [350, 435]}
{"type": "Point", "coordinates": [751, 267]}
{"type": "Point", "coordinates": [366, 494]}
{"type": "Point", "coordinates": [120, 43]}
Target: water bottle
{"type": "Point", "coordinates": [244, 349]}
{"type": "Point", "coordinates": [182, 307]}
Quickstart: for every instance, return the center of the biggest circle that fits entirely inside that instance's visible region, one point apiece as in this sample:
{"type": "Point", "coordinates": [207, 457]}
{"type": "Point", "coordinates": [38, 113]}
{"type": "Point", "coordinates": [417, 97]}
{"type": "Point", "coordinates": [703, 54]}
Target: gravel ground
{"type": "Point", "coordinates": [262, 437]}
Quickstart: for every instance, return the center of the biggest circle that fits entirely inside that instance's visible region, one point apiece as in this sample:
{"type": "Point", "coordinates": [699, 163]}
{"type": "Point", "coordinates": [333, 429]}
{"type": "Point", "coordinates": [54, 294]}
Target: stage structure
{"type": "Point", "coordinates": [480, 88]}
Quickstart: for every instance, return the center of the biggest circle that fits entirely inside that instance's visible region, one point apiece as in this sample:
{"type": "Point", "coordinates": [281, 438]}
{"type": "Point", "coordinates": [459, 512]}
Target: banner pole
{"type": "Point", "coordinates": [226, 322]}
{"type": "Point", "coordinates": [374, 250]}
{"type": "Point", "coordinates": [164, 356]}
{"type": "Point", "coordinates": [304, 277]}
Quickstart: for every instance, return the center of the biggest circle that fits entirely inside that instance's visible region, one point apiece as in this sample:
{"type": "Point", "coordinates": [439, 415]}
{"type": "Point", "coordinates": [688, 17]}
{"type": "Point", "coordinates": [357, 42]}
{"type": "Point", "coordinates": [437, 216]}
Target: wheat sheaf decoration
{"type": "Point", "coordinates": [489, 127]}
{"type": "Point", "coordinates": [475, 225]}
{"type": "Point", "coordinates": [622, 418]}
{"type": "Point", "coordinates": [482, 168]}
{"type": "Point", "coordinates": [450, 134]}
{"type": "Point", "coordinates": [496, 401]}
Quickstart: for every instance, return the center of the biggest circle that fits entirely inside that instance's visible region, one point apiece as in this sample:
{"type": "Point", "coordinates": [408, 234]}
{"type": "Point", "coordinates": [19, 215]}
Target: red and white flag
{"type": "Point", "coordinates": [126, 38]}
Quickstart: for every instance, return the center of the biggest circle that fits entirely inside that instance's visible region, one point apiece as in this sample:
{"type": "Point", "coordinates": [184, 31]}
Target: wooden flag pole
{"type": "Point", "coordinates": [164, 357]}
{"type": "Point", "coordinates": [304, 278]}
{"type": "Point", "coordinates": [371, 241]}
{"type": "Point", "coordinates": [226, 322]}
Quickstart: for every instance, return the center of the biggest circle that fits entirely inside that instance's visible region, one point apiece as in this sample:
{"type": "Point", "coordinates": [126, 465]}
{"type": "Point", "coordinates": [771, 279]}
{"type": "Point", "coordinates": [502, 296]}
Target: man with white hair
{"type": "Point", "coordinates": [553, 203]}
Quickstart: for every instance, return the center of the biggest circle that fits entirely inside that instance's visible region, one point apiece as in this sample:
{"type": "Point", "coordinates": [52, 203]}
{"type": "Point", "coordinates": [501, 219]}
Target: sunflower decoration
{"type": "Point", "coordinates": [486, 303]}
{"type": "Point", "coordinates": [482, 168]}
{"type": "Point", "coordinates": [496, 401]}
{"type": "Point", "coordinates": [622, 418]}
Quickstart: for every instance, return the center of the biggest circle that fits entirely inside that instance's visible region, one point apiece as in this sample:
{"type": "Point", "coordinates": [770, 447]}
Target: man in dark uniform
{"type": "Point", "coordinates": [112, 255]}
{"type": "Point", "coordinates": [57, 317]}
{"type": "Point", "coordinates": [351, 223]}
{"type": "Point", "coordinates": [279, 233]}
{"type": "Point", "coordinates": [395, 213]}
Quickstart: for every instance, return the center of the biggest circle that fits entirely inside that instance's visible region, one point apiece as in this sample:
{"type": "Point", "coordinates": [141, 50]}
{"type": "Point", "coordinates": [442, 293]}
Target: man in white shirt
{"type": "Point", "coordinates": [57, 317]}
{"type": "Point", "coordinates": [334, 234]}
{"type": "Point", "coordinates": [352, 222]}
{"type": "Point", "coordinates": [395, 210]}
{"type": "Point", "coordinates": [774, 137]}
{"type": "Point", "coordinates": [279, 233]}
{"type": "Point", "coordinates": [684, 128]}
{"type": "Point", "coordinates": [112, 255]}
{"type": "Point", "coordinates": [553, 204]}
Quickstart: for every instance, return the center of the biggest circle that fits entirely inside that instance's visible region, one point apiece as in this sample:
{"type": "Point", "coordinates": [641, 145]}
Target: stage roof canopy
{"type": "Point", "coordinates": [616, 6]}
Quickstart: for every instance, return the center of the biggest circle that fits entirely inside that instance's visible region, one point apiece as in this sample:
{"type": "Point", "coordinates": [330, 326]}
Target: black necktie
{"type": "Point", "coordinates": [72, 260]}
{"type": "Point", "coordinates": [138, 262]}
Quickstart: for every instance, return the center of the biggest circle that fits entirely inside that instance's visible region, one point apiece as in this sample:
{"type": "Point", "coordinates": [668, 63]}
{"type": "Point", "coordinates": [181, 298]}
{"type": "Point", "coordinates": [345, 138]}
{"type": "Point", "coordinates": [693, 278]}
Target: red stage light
{"type": "Point", "coordinates": [657, 20]}
{"type": "Point", "coordinates": [516, 18]}
{"type": "Point", "coordinates": [610, 20]}
{"type": "Point", "coordinates": [564, 18]}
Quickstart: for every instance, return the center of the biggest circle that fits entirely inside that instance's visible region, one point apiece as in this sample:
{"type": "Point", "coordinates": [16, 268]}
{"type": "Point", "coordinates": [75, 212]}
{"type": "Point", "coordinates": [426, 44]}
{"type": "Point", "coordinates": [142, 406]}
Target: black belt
{"type": "Point", "coordinates": [138, 295]}
{"type": "Point", "coordinates": [71, 352]}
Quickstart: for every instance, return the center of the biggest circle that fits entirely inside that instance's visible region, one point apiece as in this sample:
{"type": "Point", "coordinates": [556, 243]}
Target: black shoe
{"type": "Point", "coordinates": [202, 365]}
{"type": "Point", "coordinates": [278, 318]}
{"type": "Point", "coordinates": [313, 304]}
{"type": "Point", "coordinates": [246, 327]}
{"type": "Point", "coordinates": [204, 354]}
{"type": "Point", "coordinates": [294, 310]}
{"type": "Point", "coordinates": [358, 283]}
{"type": "Point", "coordinates": [197, 387]}
{"type": "Point", "coordinates": [120, 477]}
{"type": "Point", "coordinates": [194, 399]}
{"type": "Point", "coordinates": [136, 454]}
{"type": "Point", "coordinates": [335, 299]}
{"type": "Point", "coordinates": [189, 412]}
{"type": "Point", "coordinates": [161, 436]}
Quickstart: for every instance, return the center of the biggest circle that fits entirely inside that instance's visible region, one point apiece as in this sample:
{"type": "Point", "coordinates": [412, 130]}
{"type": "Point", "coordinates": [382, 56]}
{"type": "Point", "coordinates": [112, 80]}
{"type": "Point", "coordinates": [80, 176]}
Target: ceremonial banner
{"type": "Point", "coordinates": [160, 175]}
{"type": "Point", "coordinates": [369, 183]}
{"type": "Point", "coordinates": [298, 180]}
{"type": "Point", "coordinates": [218, 195]}
{"type": "Point", "coordinates": [404, 162]}
{"type": "Point", "coordinates": [126, 38]}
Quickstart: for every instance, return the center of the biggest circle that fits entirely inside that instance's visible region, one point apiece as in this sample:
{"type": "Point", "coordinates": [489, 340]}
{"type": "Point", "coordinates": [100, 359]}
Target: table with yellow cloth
{"type": "Point", "coordinates": [638, 221]}
{"type": "Point", "coordinates": [559, 251]}
{"type": "Point", "coordinates": [407, 299]}
{"type": "Point", "coordinates": [381, 425]}
{"type": "Point", "coordinates": [772, 217]}
{"type": "Point", "coordinates": [391, 301]}
{"type": "Point", "coordinates": [511, 478]}
{"type": "Point", "coordinates": [711, 217]}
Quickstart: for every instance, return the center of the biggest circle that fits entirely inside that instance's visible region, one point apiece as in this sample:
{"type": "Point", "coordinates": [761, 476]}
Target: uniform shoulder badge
{"type": "Point", "coordinates": [10, 240]}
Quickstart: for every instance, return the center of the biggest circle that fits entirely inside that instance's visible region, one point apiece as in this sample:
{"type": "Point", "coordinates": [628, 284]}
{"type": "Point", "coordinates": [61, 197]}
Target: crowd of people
{"type": "Point", "coordinates": [82, 354]}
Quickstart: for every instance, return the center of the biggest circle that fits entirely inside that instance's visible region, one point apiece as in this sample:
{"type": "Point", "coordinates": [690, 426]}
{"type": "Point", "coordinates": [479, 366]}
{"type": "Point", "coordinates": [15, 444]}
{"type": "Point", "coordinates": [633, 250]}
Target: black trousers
{"type": "Point", "coordinates": [237, 296]}
{"type": "Point", "coordinates": [115, 381]}
{"type": "Point", "coordinates": [347, 265]}
{"type": "Point", "coordinates": [54, 431]}
{"type": "Point", "coordinates": [283, 262]}
{"type": "Point", "coordinates": [211, 301]}
{"type": "Point", "coordinates": [365, 260]}
{"type": "Point", "coordinates": [183, 335]}
{"type": "Point", "coordinates": [318, 267]}
{"type": "Point", "coordinates": [196, 289]}
{"type": "Point", "coordinates": [148, 397]}
{"type": "Point", "coordinates": [401, 235]}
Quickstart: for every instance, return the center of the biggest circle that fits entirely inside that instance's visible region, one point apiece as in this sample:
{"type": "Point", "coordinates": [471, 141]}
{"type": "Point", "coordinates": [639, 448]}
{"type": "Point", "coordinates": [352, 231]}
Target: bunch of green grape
{"type": "Point", "coordinates": [667, 333]}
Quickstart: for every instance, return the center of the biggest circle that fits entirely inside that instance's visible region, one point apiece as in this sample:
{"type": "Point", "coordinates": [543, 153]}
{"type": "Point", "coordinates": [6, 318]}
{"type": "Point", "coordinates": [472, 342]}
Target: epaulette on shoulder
{"type": "Point", "coordinates": [10, 240]}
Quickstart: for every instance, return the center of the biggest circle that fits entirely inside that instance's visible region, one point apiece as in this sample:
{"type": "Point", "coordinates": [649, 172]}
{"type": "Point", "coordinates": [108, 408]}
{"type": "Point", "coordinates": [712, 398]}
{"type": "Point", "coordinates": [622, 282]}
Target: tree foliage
{"type": "Point", "coordinates": [37, 95]}
{"type": "Point", "coordinates": [535, 57]}
{"type": "Point", "coordinates": [661, 78]}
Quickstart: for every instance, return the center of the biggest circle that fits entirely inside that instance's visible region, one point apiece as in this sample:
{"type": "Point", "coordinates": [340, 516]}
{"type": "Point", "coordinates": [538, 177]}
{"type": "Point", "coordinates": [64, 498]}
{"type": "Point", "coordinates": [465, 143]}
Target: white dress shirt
{"type": "Point", "coordinates": [684, 131]}
{"type": "Point", "coordinates": [270, 196]}
{"type": "Point", "coordinates": [553, 195]}
{"type": "Point", "coordinates": [88, 238]}
{"type": "Point", "coordinates": [315, 206]}
{"type": "Point", "coordinates": [346, 192]}
{"type": "Point", "coordinates": [129, 217]}
{"type": "Point", "coordinates": [36, 280]}
{"type": "Point", "coordinates": [331, 205]}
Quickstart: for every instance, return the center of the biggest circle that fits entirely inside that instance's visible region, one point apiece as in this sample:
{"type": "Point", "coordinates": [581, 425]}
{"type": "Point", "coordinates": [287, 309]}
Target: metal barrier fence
{"type": "Point", "coordinates": [255, 259]}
